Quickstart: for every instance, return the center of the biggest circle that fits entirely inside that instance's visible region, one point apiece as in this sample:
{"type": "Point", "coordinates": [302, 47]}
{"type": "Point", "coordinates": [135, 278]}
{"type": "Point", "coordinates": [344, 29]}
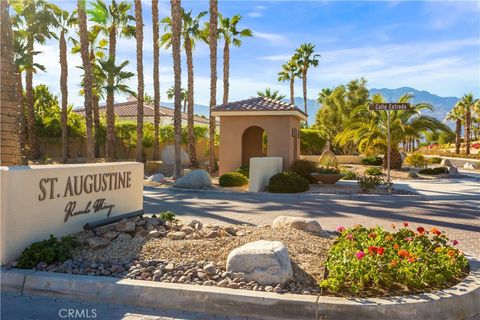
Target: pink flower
{"type": "Point", "coordinates": [455, 242]}
{"type": "Point", "coordinates": [405, 224]}
{"type": "Point", "coordinates": [340, 229]}
{"type": "Point", "coordinates": [349, 236]}
{"type": "Point", "coordinates": [360, 255]}
{"type": "Point", "coordinates": [408, 239]}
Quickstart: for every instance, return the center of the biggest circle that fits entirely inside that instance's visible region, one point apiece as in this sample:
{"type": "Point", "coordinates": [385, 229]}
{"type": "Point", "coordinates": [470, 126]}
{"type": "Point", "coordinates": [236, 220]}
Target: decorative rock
{"type": "Point", "coordinates": [468, 166]}
{"type": "Point", "coordinates": [153, 221]}
{"type": "Point", "coordinates": [445, 163]}
{"type": "Point", "coordinates": [212, 234]}
{"type": "Point", "coordinates": [197, 179]}
{"type": "Point", "coordinates": [97, 242]}
{"type": "Point", "coordinates": [155, 234]}
{"type": "Point", "coordinates": [278, 289]}
{"type": "Point", "coordinates": [124, 237]}
{"type": "Point", "coordinates": [110, 235]}
{"type": "Point", "coordinates": [222, 283]}
{"type": "Point", "coordinates": [169, 267]}
{"type": "Point", "coordinates": [453, 171]}
{"type": "Point", "coordinates": [210, 268]}
{"type": "Point", "coordinates": [230, 230]}
{"type": "Point", "coordinates": [83, 236]}
{"type": "Point", "coordinates": [195, 224]}
{"type": "Point", "coordinates": [269, 288]}
{"type": "Point", "coordinates": [157, 178]}
{"type": "Point", "coordinates": [265, 262]}
{"type": "Point", "coordinates": [125, 226]}
{"type": "Point", "coordinates": [178, 235]}
{"type": "Point", "coordinates": [142, 235]}
{"type": "Point", "coordinates": [412, 174]}
{"type": "Point", "coordinates": [300, 223]}
{"type": "Point", "coordinates": [233, 285]}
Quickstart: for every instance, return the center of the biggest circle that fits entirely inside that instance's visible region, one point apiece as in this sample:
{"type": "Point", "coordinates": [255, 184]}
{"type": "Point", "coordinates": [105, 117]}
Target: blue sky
{"type": "Point", "coordinates": [428, 45]}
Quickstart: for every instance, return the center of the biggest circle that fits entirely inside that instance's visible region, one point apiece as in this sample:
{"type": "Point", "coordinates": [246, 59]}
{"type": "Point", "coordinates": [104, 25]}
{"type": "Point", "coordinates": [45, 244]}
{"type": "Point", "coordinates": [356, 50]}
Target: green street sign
{"type": "Point", "coordinates": [388, 106]}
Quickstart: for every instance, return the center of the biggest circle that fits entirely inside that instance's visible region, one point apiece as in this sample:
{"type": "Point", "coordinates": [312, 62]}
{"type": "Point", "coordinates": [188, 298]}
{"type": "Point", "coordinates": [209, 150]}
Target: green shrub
{"type": "Point", "coordinates": [435, 160]}
{"type": "Point", "coordinates": [49, 251]}
{"type": "Point", "coordinates": [433, 171]}
{"type": "Point", "coordinates": [374, 260]}
{"type": "Point", "coordinates": [417, 160]}
{"type": "Point", "coordinates": [311, 141]}
{"type": "Point", "coordinates": [349, 175]}
{"type": "Point", "coordinates": [304, 168]}
{"type": "Point", "coordinates": [372, 161]}
{"type": "Point", "coordinates": [167, 216]}
{"type": "Point", "coordinates": [369, 183]}
{"type": "Point", "coordinates": [245, 170]}
{"type": "Point", "coordinates": [232, 179]}
{"type": "Point", "coordinates": [373, 171]}
{"type": "Point", "coordinates": [323, 170]}
{"type": "Point", "coordinates": [287, 182]}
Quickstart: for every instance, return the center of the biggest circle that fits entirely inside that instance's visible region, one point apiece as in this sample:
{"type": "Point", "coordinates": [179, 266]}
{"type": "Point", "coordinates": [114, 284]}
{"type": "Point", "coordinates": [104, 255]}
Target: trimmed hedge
{"type": "Point", "coordinates": [372, 161]}
{"type": "Point", "coordinates": [311, 141]}
{"type": "Point", "coordinates": [245, 170]}
{"type": "Point", "coordinates": [287, 182]}
{"type": "Point", "coordinates": [373, 171]}
{"type": "Point", "coordinates": [304, 168]}
{"type": "Point", "coordinates": [417, 160]}
{"type": "Point", "coordinates": [433, 171]}
{"type": "Point", "coordinates": [48, 251]}
{"type": "Point", "coordinates": [232, 179]}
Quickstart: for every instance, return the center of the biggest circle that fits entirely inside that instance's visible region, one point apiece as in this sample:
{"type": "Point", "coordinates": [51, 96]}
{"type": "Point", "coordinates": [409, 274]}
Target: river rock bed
{"type": "Point", "coordinates": [149, 248]}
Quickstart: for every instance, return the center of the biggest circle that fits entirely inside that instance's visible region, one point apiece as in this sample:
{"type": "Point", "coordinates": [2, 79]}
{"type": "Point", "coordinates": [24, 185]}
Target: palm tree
{"type": "Point", "coordinates": [466, 103]}
{"type": "Point", "coordinates": [35, 19]}
{"type": "Point", "coordinates": [212, 42]}
{"type": "Point", "coordinates": [140, 94]}
{"type": "Point", "coordinates": [87, 81]}
{"type": "Point", "coordinates": [177, 72]}
{"type": "Point", "coordinates": [65, 21]}
{"type": "Point", "coordinates": [456, 114]}
{"type": "Point", "coordinates": [368, 128]}
{"type": "Point", "coordinates": [231, 35]}
{"type": "Point", "coordinates": [10, 140]}
{"type": "Point", "coordinates": [289, 72]}
{"type": "Point", "coordinates": [183, 96]}
{"type": "Point", "coordinates": [156, 79]}
{"type": "Point", "coordinates": [306, 57]}
{"type": "Point", "coordinates": [120, 79]}
{"type": "Point", "coordinates": [322, 95]}
{"type": "Point", "coordinates": [115, 21]}
{"type": "Point", "coordinates": [190, 32]}
{"type": "Point", "coordinates": [271, 94]}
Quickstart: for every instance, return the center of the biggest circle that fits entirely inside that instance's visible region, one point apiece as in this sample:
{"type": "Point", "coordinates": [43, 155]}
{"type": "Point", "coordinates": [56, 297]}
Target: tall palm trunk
{"type": "Point", "coordinates": [468, 126]}
{"type": "Point", "coordinates": [64, 90]}
{"type": "Point", "coordinates": [96, 122]}
{"type": "Point", "coordinates": [9, 134]}
{"type": "Point", "coordinates": [213, 78]}
{"type": "Point", "coordinates": [177, 71]}
{"type": "Point", "coordinates": [140, 95]}
{"type": "Point", "coordinates": [458, 135]}
{"type": "Point", "coordinates": [83, 30]}
{"type": "Point", "coordinates": [22, 120]}
{"type": "Point", "coordinates": [31, 131]}
{"type": "Point", "coordinates": [226, 71]}
{"type": "Point", "coordinates": [156, 80]}
{"type": "Point", "coordinates": [304, 83]}
{"type": "Point", "coordinates": [190, 97]}
{"type": "Point", "coordinates": [110, 145]}
{"type": "Point", "coordinates": [292, 90]}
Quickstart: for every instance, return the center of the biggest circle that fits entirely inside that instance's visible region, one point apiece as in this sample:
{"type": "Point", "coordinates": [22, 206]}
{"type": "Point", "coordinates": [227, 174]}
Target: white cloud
{"type": "Point", "coordinates": [278, 57]}
{"type": "Point", "coordinates": [273, 38]}
{"type": "Point", "coordinates": [257, 12]}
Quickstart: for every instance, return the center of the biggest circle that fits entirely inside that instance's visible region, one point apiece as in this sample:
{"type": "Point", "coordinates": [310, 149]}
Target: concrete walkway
{"type": "Point", "coordinates": [456, 213]}
{"type": "Point", "coordinates": [21, 307]}
{"type": "Point", "coordinates": [444, 189]}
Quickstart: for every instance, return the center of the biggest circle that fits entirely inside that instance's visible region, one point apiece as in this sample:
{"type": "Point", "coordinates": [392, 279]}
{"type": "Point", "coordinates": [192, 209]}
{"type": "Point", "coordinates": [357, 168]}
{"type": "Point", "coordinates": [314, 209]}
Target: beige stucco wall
{"type": "Point", "coordinates": [31, 210]}
{"type": "Point", "coordinates": [281, 143]}
{"type": "Point", "coordinates": [342, 159]}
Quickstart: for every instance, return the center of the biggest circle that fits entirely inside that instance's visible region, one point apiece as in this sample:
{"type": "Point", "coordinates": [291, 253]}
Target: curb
{"type": "Point", "coordinates": [458, 302]}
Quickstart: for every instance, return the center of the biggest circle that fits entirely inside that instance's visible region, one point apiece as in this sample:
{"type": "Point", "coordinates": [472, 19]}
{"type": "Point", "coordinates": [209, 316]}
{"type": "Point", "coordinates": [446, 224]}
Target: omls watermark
{"type": "Point", "coordinates": [73, 313]}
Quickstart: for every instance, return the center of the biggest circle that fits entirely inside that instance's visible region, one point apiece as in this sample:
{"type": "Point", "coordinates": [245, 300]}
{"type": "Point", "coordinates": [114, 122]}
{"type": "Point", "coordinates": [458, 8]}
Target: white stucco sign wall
{"type": "Point", "coordinates": [37, 201]}
{"type": "Point", "coordinates": [261, 170]}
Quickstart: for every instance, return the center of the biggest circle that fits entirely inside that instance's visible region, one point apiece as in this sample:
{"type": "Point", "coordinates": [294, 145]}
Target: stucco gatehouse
{"type": "Point", "coordinates": [258, 127]}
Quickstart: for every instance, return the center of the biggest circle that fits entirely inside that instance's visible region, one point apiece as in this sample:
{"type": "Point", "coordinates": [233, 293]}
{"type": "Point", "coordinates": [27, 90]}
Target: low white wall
{"type": "Point", "coordinates": [342, 159]}
{"type": "Point", "coordinates": [261, 170]}
{"type": "Point", "coordinates": [37, 201]}
{"type": "Point", "coordinates": [458, 162]}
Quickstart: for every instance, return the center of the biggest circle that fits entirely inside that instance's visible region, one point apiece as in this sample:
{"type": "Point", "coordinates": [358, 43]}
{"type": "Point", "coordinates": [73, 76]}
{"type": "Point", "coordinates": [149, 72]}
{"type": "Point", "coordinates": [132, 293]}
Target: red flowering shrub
{"type": "Point", "coordinates": [364, 258]}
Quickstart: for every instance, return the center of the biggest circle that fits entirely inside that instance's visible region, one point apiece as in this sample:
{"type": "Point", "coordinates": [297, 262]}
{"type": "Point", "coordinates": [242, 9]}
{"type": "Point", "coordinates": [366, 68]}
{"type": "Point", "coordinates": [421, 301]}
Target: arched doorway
{"type": "Point", "coordinates": [254, 144]}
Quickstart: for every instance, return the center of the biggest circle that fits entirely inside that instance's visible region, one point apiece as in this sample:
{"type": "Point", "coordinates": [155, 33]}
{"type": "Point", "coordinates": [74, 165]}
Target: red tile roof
{"type": "Point", "coordinates": [258, 104]}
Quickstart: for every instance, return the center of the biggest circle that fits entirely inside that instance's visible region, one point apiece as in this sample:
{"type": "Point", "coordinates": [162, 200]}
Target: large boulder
{"type": "Point", "coordinates": [445, 163]}
{"type": "Point", "coordinates": [453, 171]}
{"type": "Point", "coordinates": [328, 159]}
{"type": "Point", "coordinates": [168, 156]}
{"type": "Point", "coordinates": [300, 223]}
{"type": "Point", "coordinates": [196, 179]}
{"type": "Point", "coordinates": [266, 262]}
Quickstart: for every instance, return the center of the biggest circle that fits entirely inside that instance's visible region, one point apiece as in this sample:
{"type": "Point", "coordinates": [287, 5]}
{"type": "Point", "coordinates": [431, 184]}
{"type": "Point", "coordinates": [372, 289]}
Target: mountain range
{"type": "Point", "coordinates": [442, 105]}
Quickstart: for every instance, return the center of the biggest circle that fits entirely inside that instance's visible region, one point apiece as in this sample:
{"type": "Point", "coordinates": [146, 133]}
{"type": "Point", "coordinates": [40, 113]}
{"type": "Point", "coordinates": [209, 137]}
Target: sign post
{"type": "Point", "coordinates": [388, 107]}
